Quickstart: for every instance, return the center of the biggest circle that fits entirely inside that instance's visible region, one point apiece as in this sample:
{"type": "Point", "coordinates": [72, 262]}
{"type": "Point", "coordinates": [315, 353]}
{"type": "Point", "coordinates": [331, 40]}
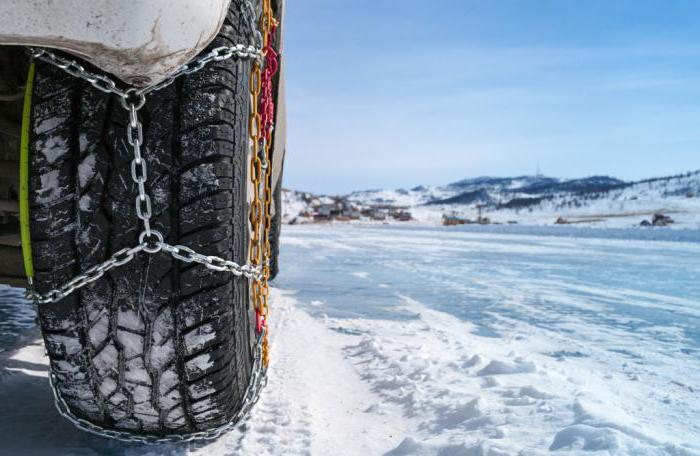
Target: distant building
{"type": "Point", "coordinates": [453, 220]}
{"type": "Point", "coordinates": [403, 216]}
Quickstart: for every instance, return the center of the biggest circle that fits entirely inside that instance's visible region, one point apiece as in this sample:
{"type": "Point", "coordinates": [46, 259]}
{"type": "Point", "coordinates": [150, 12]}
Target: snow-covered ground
{"type": "Point", "coordinates": [449, 342]}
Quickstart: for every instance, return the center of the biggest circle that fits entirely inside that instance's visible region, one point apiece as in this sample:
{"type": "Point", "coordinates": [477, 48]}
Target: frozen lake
{"type": "Point", "coordinates": [432, 341]}
{"type": "Point", "coordinates": [493, 279]}
{"type": "Point", "coordinates": [620, 318]}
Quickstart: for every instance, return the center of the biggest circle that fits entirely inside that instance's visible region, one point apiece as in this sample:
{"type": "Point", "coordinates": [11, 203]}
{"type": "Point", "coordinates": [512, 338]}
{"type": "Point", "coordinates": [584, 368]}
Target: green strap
{"type": "Point", "coordinates": [24, 177]}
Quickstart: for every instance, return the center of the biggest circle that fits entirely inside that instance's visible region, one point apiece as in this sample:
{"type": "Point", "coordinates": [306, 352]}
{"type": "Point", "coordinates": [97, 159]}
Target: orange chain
{"type": "Point", "coordinates": [260, 130]}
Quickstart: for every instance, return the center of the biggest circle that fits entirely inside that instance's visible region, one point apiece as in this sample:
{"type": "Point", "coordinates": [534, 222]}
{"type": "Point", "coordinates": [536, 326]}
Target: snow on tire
{"type": "Point", "coordinates": [157, 346]}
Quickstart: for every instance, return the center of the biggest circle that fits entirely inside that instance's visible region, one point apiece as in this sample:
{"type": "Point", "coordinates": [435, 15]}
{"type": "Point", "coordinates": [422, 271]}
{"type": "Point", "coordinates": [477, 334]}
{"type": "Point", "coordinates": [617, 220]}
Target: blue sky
{"type": "Point", "coordinates": [389, 93]}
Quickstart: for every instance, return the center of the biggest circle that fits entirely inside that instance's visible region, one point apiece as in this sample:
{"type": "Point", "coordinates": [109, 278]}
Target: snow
{"type": "Point", "coordinates": [445, 342]}
{"type": "Point", "coordinates": [201, 177]}
{"type": "Point", "coordinates": [195, 340]}
{"type": "Point", "coordinates": [315, 401]}
{"type": "Point", "coordinates": [47, 125]}
{"type": "Point", "coordinates": [577, 201]}
{"type": "Point", "coordinates": [99, 330]}
{"type": "Point", "coordinates": [621, 208]}
{"type": "Point", "coordinates": [86, 170]}
{"type": "Point", "coordinates": [161, 355]}
{"type": "Point", "coordinates": [505, 368]}
{"type": "Point", "coordinates": [52, 148]}
{"type": "Point", "coordinates": [129, 319]}
{"type": "Point", "coordinates": [199, 364]}
{"type": "Point", "coordinates": [293, 204]}
{"type": "Point", "coordinates": [84, 203]}
{"type": "Point", "coordinates": [107, 387]}
{"type": "Point", "coordinates": [48, 190]}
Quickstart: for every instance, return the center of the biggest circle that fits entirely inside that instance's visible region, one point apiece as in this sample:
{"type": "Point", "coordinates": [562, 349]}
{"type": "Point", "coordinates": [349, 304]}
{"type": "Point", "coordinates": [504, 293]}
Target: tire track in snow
{"type": "Point", "coordinates": [315, 401]}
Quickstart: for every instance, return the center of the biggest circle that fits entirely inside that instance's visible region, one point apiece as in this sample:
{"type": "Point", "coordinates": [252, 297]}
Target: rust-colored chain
{"type": "Point", "coordinates": [261, 126]}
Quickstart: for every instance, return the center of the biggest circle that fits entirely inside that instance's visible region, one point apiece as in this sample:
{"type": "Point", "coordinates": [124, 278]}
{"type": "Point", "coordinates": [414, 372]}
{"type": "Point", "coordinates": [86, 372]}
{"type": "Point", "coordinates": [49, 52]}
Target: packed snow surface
{"type": "Point", "coordinates": [449, 342]}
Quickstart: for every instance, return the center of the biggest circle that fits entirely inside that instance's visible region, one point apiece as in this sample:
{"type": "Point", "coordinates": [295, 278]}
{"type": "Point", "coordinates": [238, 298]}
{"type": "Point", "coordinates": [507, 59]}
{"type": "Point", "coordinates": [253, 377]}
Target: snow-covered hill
{"type": "Point", "coordinates": [486, 190]}
{"type": "Point", "coordinates": [597, 200]}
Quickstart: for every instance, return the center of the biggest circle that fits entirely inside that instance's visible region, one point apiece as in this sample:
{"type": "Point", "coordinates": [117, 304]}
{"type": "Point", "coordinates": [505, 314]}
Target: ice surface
{"type": "Point", "coordinates": [450, 343]}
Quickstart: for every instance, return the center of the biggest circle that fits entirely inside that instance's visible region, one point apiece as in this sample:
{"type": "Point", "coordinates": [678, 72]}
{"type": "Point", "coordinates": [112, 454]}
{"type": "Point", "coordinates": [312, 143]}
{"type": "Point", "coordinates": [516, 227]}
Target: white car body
{"type": "Point", "coordinates": [139, 41]}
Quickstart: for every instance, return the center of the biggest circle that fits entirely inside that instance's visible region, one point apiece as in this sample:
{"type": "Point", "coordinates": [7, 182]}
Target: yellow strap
{"type": "Point", "coordinates": [24, 177]}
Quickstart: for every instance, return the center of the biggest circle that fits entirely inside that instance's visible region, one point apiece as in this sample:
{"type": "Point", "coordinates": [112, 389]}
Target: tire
{"type": "Point", "coordinates": [157, 346]}
{"type": "Point", "coordinates": [276, 229]}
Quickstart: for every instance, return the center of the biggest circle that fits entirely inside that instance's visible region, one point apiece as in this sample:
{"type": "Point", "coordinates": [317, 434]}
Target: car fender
{"type": "Point", "coordinates": [140, 41]}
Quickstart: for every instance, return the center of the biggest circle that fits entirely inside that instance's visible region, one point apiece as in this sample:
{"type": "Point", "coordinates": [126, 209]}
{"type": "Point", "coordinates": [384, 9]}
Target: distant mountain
{"type": "Point", "coordinates": [585, 185]}
{"type": "Point", "coordinates": [480, 196]}
{"type": "Point", "coordinates": [487, 190]}
{"type": "Point", "coordinates": [538, 193]}
{"type": "Point", "coordinates": [511, 183]}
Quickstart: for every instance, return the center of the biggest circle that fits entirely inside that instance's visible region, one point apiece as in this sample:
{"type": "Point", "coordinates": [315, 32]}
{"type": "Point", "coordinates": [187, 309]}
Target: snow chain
{"type": "Point", "coordinates": [151, 241]}
{"type": "Point", "coordinates": [261, 124]}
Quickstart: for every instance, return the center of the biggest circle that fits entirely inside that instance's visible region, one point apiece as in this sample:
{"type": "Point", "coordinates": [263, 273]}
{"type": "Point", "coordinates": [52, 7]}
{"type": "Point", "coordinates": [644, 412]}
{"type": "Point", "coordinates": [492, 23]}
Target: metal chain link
{"type": "Point", "coordinates": [98, 81]}
{"type": "Point", "coordinates": [132, 99]}
{"type": "Point", "coordinates": [152, 242]}
{"type": "Point", "coordinates": [257, 383]}
{"type": "Point", "coordinates": [267, 107]}
{"type": "Point", "coordinates": [241, 51]}
{"type": "Point", "coordinates": [120, 258]}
